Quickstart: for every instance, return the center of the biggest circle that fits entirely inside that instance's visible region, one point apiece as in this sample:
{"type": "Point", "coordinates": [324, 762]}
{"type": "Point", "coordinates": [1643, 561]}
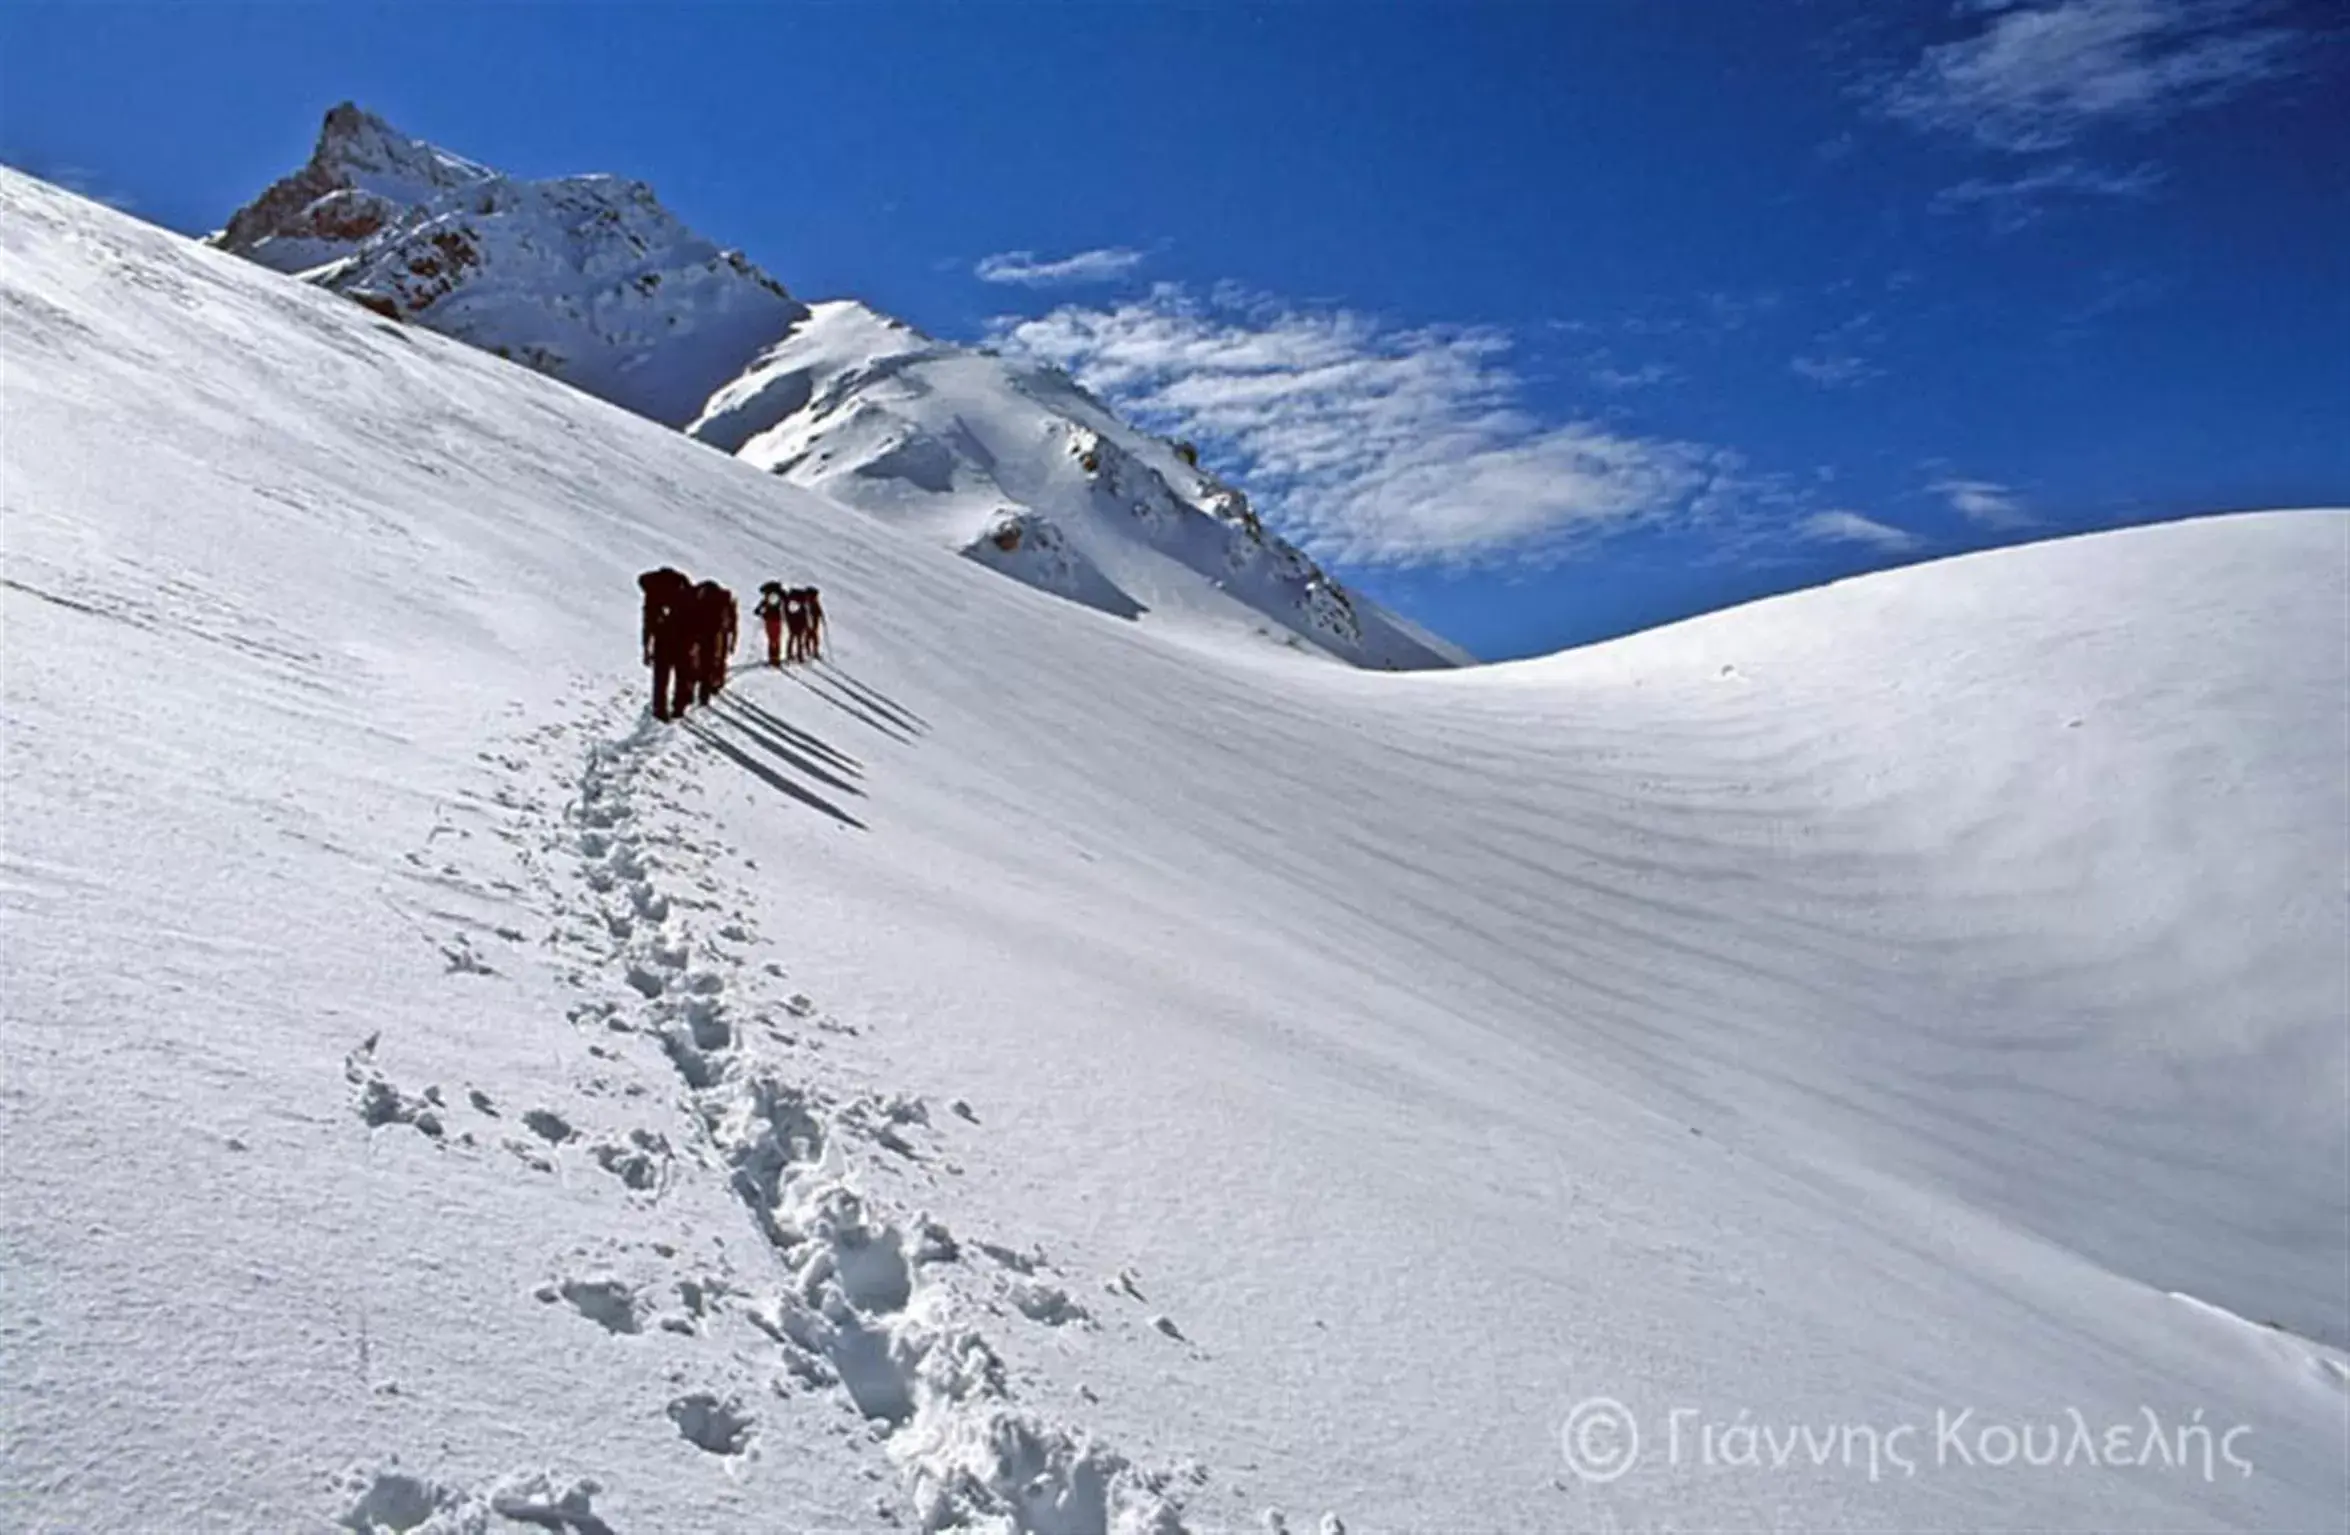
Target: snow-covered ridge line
{"type": "Point", "coordinates": [590, 280]}
{"type": "Point", "coordinates": [1013, 465]}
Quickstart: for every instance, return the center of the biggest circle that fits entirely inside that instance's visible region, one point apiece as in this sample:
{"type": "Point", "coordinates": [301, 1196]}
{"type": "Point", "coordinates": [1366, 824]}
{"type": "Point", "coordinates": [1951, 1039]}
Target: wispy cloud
{"type": "Point", "coordinates": [2049, 85]}
{"type": "Point", "coordinates": [1602, 371]}
{"type": "Point", "coordinates": [1853, 528]}
{"type": "Point", "coordinates": [1839, 357]}
{"type": "Point", "coordinates": [1026, 268]}
{"type": "Point", "coordinates": [1833, 370]}
{"type": "Point", "coordinates": [2040, 76]}
{"type": "Point", "coordinates": [2017, 200]}
{"type": "Point", "coordinates": [1985, 502]}
{"type": "Point", "coordinates": [1372, 443]}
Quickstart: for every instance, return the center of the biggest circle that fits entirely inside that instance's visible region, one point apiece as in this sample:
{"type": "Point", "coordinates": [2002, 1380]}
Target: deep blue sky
{"type": "Point", "coordinates": [1660, 305]}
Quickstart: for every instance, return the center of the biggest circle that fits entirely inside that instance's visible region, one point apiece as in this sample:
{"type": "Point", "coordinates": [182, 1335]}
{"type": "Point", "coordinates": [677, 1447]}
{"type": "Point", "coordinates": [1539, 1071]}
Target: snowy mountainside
{"type": "Point", "coordinates": [589, 279]}
{"type": "Point", "coordinates": [1030, 1074]}
{"type": "Point", "coordinates": [1016, 467]}
{"type": "Point", "coordinates": [586, 278]}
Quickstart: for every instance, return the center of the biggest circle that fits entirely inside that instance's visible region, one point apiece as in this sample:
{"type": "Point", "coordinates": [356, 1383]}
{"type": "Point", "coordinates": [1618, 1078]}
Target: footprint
{"type": "Point", "coordinates": [380, 1103]}
{"type": "Point", "coordinates": [395, 1500]}
{"type": "Point", "coordinates": [640, 1161]}
{"type": "Point", "coordinates": [1049, 1304]}
{"type": "Point", "coordinates": [549, 1125]}
{"type": "Point", "coordinates": [462, 960]}
{"type": "Point", "coordinates": [533, 1500]}
{"type": "Point", "coordinates": [602, 1299]}
{"type": "Point", "coordinates": [529, 1154]}
{"type": "Point", "coordinates": [722, 1428]}
{"type": "Point", "coordinates": [1018, 1262]}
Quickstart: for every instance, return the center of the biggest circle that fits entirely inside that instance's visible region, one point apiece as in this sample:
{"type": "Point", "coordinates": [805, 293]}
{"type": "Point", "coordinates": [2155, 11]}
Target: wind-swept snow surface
{"type": "Point", "coordinates": [1869, 1060]}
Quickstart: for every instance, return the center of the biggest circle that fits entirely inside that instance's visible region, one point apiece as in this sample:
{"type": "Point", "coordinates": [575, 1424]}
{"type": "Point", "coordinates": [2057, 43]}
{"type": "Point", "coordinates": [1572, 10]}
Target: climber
{"type": "Point", "coordinates": [669, 635]}
{"type": "Point", "coordinates": [713, 617]}
{"type": "Point", "coordinates": [795, 619]}
{"type": "Point", "coordinates": [730, 623]}
{"type": "Point", "coordinates": [815, 607]}
{"type": "Point", "coordinates": [770, 611]}
{"type": "Point", "coordinates": [661, 588]}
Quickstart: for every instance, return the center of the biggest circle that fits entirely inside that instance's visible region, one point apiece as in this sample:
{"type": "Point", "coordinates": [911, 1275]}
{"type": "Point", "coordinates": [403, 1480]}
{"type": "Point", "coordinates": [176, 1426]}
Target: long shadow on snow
{"type": "Point", "coordinates": [761, 770]}
{"type": "Point", "coordinates": [873, 698]}
{"type": "Point", "coordinates": [737, 714]}
{"type": "Point", "coordinates": [851, 705]}
{"type": "Point", "coordinates": [796, 736]}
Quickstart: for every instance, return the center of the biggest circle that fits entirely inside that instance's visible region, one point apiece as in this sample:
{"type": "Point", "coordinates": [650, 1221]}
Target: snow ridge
{"type": "Point", "coordinates": [1017, 468]}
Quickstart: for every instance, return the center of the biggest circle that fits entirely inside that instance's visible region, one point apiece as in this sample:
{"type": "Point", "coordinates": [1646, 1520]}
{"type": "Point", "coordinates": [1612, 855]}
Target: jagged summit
{"type": "Point", "coordinates": [362, 175]}
{"type": "Point", "coordinates": [587, 278]}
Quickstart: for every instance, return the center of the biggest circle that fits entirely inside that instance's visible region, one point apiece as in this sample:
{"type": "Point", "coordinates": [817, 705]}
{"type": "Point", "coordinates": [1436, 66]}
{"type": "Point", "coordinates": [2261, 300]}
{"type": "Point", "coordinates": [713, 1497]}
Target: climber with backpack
{"type": "Point", "coordinates": [795, 620]}
{"type": "Point", "coordinates": [815, 622]}
{"type": "Point", "coordinates": [770, 611]}
{"type": "Point", "coordinates": [712, 609]}
{"type": "Point", "coordinates": [669, 635]}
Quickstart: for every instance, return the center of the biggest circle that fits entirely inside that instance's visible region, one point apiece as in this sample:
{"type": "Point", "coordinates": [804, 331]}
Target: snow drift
{"type": "Point", "coordinates": [1030, 1074]}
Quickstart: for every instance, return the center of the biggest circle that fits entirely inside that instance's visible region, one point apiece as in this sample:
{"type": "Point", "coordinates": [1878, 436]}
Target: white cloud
{"type": "Point", "coordinates": [2040, 76]}
{"type": "Point", "coordinates": [1839, 356]}
{"type": "Point", "coordinates": [1853, 528]}
{"type": "Point", "coordinates": [1834, 370]}
{"type": "Point", "coordinates": [1647, 376]}
{"type": "Point", "coordinates": [1370, 443]}
{"type": "Point", "coordinates": [2014, 201]}
{"type": "Point", "coordinates": [1107, 264]}
{"type": "Point", "coordinates": [1984, 501]}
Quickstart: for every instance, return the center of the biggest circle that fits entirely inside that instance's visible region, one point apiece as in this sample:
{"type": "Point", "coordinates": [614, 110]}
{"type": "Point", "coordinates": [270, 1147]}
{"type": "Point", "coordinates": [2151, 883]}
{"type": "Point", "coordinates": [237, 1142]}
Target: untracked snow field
{"type": "Point", "coordinates": [1874, 1059]}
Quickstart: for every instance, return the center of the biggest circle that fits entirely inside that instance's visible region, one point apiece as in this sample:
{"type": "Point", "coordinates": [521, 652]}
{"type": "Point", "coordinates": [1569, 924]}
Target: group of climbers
{"type": "Point", "coordinates": [797, 609]}
{"type": "Point", "coordinates": [690, 630]}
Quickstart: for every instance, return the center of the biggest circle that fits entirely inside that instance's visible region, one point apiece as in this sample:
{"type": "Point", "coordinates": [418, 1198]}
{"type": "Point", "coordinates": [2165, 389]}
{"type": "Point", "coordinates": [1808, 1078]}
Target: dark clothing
{"type": "Point", "coordinates": [710, 611]}
{"type": "Point", "coordinates": [730, 626]}
{"type": "Point", "coordinates": [663, 589]}
{"type": "Point", "coordinates": [795, 616]}
{"type": "Point", "coordinates": [672, 683]}
{"type": "Point", "coordinates": [668, 638]}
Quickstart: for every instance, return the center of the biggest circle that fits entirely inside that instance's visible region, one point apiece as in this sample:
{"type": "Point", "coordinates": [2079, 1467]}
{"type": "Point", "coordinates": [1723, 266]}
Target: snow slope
{"type": "Point", "coordinates": [1033, 1075]}
{"type": "Point", "coordinates": [587, 278]}
{"type": "Point", "coordinates": [1015, 466]}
